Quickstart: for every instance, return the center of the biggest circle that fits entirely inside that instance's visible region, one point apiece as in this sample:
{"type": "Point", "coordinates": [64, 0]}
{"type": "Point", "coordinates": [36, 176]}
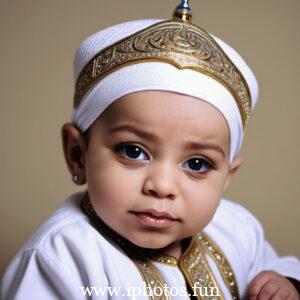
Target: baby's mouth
{"type": "Point", "coordinates": [154, 218]}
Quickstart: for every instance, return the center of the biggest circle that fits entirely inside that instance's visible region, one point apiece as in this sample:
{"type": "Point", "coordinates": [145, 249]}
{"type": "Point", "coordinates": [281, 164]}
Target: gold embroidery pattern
{"type": "Point", "coordinates": [196, 269]}
{"type": "Point", "coordinates": [179, 43]}
{"type": "Point", "coordinates": [154, 282]}
{"type": "Point", "coordinates": [222, 263]}
{"type": "Point", "coordinates": [164, 259]}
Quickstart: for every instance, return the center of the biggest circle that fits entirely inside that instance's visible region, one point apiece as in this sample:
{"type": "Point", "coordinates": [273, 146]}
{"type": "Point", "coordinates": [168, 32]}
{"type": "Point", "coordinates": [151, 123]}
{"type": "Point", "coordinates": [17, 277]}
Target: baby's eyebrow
{"type": "Point", "coordinates": [196, 145]}
{"type": "Point", "coordinates": [150, 136]}
{"type": "Point", "coordinates": [139, 132]}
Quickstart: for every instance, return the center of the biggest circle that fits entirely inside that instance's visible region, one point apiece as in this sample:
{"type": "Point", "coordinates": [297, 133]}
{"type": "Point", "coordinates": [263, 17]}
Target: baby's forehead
{"type": "Point", "coordinates": [164, 105]}
{"type": "Point", "coordinates": [166, 114]}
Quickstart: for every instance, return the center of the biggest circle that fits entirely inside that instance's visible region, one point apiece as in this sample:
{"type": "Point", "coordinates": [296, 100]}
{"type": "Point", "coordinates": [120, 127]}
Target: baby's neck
{"type": "Point", "coordinates": [173, 249]}
{"type": "Point", "coordinates": [177, 248]}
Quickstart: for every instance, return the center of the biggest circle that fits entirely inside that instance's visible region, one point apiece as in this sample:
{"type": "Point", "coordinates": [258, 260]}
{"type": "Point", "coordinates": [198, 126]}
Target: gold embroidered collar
{"type": "Point", "coordinates": [193, 263]}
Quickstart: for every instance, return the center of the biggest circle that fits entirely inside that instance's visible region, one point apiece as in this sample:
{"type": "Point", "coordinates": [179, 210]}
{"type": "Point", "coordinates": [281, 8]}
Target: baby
{"type": "Point", "coordinates": [159, 114]}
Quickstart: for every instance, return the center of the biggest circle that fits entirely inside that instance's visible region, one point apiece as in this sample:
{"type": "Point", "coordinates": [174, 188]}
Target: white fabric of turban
{"type": "Point", "coordinates": [157, 76]}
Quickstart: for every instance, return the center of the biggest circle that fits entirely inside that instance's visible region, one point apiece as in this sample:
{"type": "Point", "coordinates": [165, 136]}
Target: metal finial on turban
{"type": "Point", "coordinates": [183, 11]}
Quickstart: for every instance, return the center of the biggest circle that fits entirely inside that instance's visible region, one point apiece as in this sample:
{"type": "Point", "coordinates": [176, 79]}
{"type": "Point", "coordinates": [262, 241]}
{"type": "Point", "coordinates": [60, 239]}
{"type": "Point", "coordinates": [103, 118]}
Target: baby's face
{"type": "Point", "coordinates": [157, 165]}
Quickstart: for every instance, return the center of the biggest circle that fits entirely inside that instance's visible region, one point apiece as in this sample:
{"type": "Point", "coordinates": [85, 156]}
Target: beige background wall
{"type": "Point", "coordinates": [38, 39]}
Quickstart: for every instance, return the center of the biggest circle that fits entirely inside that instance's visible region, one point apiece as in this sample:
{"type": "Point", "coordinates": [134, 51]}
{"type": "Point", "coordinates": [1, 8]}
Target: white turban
{"type": "Point", "coordinates": [157, 76]}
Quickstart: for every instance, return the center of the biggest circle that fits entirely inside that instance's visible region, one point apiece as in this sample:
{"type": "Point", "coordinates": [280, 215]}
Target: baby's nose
{"type": "Point", "coordinates": [161, 181]}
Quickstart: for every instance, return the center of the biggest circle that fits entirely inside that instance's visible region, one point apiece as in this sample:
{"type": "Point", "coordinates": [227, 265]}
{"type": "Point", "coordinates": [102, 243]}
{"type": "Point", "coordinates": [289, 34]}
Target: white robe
{"type": "Point", "coordinates": [67, 255]}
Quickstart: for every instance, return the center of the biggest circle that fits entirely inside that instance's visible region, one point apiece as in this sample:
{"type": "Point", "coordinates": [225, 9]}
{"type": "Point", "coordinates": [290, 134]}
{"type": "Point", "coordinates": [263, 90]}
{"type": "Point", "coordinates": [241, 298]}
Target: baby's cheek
{"type": "Point", "coordinates": [117, 186]}
{"type": "Point", "coordinates": [203, 204]}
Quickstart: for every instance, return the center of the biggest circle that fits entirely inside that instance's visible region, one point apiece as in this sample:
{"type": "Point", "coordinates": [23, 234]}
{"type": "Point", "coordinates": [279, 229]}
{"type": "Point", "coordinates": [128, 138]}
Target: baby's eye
{"type": "Point", "coordinates": [198, 165]}
{"type": "Point", "coordinates": [132, 151]}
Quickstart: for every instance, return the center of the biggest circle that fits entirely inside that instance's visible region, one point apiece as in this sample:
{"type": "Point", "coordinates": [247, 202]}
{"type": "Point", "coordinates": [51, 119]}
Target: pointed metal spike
{"type": "Point", "coordinates": [183, 12]}
{"type": "Point", "coordinates": [184, 5]}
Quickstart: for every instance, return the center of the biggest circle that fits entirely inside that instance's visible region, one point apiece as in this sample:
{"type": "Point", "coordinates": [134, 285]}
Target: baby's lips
{"type": "Point", "coordinates": [157, 214]}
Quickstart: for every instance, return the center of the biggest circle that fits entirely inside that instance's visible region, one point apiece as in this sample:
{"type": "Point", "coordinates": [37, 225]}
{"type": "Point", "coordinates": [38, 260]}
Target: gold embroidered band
{"type": "Point", "coordinates": [179, 43]}
{"type": "Point", "coordinates": [222, 263]}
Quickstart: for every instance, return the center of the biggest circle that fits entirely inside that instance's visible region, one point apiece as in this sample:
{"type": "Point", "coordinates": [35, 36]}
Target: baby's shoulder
{"type": "Point", "coordinates": [66, 223]}
{"type": "Point", "coordinates": [235, 226]}
{"type": "Point", "coordinates": [234, 214]}
{"type": "Point", "coordinates": [62, 255]}
{"type": "Point", "coordinates": [65, 237]}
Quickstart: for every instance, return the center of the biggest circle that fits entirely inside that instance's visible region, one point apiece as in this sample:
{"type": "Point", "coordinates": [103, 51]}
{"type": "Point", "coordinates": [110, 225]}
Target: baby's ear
{"type": "Point", "coordinates": [74, 151]}
{"type": "Point", "coordinates": [234, 166]}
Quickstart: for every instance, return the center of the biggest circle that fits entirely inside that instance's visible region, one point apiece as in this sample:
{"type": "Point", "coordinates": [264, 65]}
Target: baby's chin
{"type": "Point", "coordinates": [153, 240]}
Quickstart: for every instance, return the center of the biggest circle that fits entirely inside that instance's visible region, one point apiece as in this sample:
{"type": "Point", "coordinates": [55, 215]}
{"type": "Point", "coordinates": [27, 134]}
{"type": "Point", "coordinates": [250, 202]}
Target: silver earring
{"type": "Point", "coordinates": [74, 178]}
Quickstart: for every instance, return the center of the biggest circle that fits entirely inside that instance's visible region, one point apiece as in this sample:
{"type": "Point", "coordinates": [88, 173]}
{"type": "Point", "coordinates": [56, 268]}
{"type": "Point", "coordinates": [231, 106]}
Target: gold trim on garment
{"type": "Point", "coordinates": [179, 43]}
{"type": "Point", "coordinates": [193, 263]}
{"type": "Point", "coordinates": [153, 280]}
{"type": "Point", "coordinates": [222, 263]}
